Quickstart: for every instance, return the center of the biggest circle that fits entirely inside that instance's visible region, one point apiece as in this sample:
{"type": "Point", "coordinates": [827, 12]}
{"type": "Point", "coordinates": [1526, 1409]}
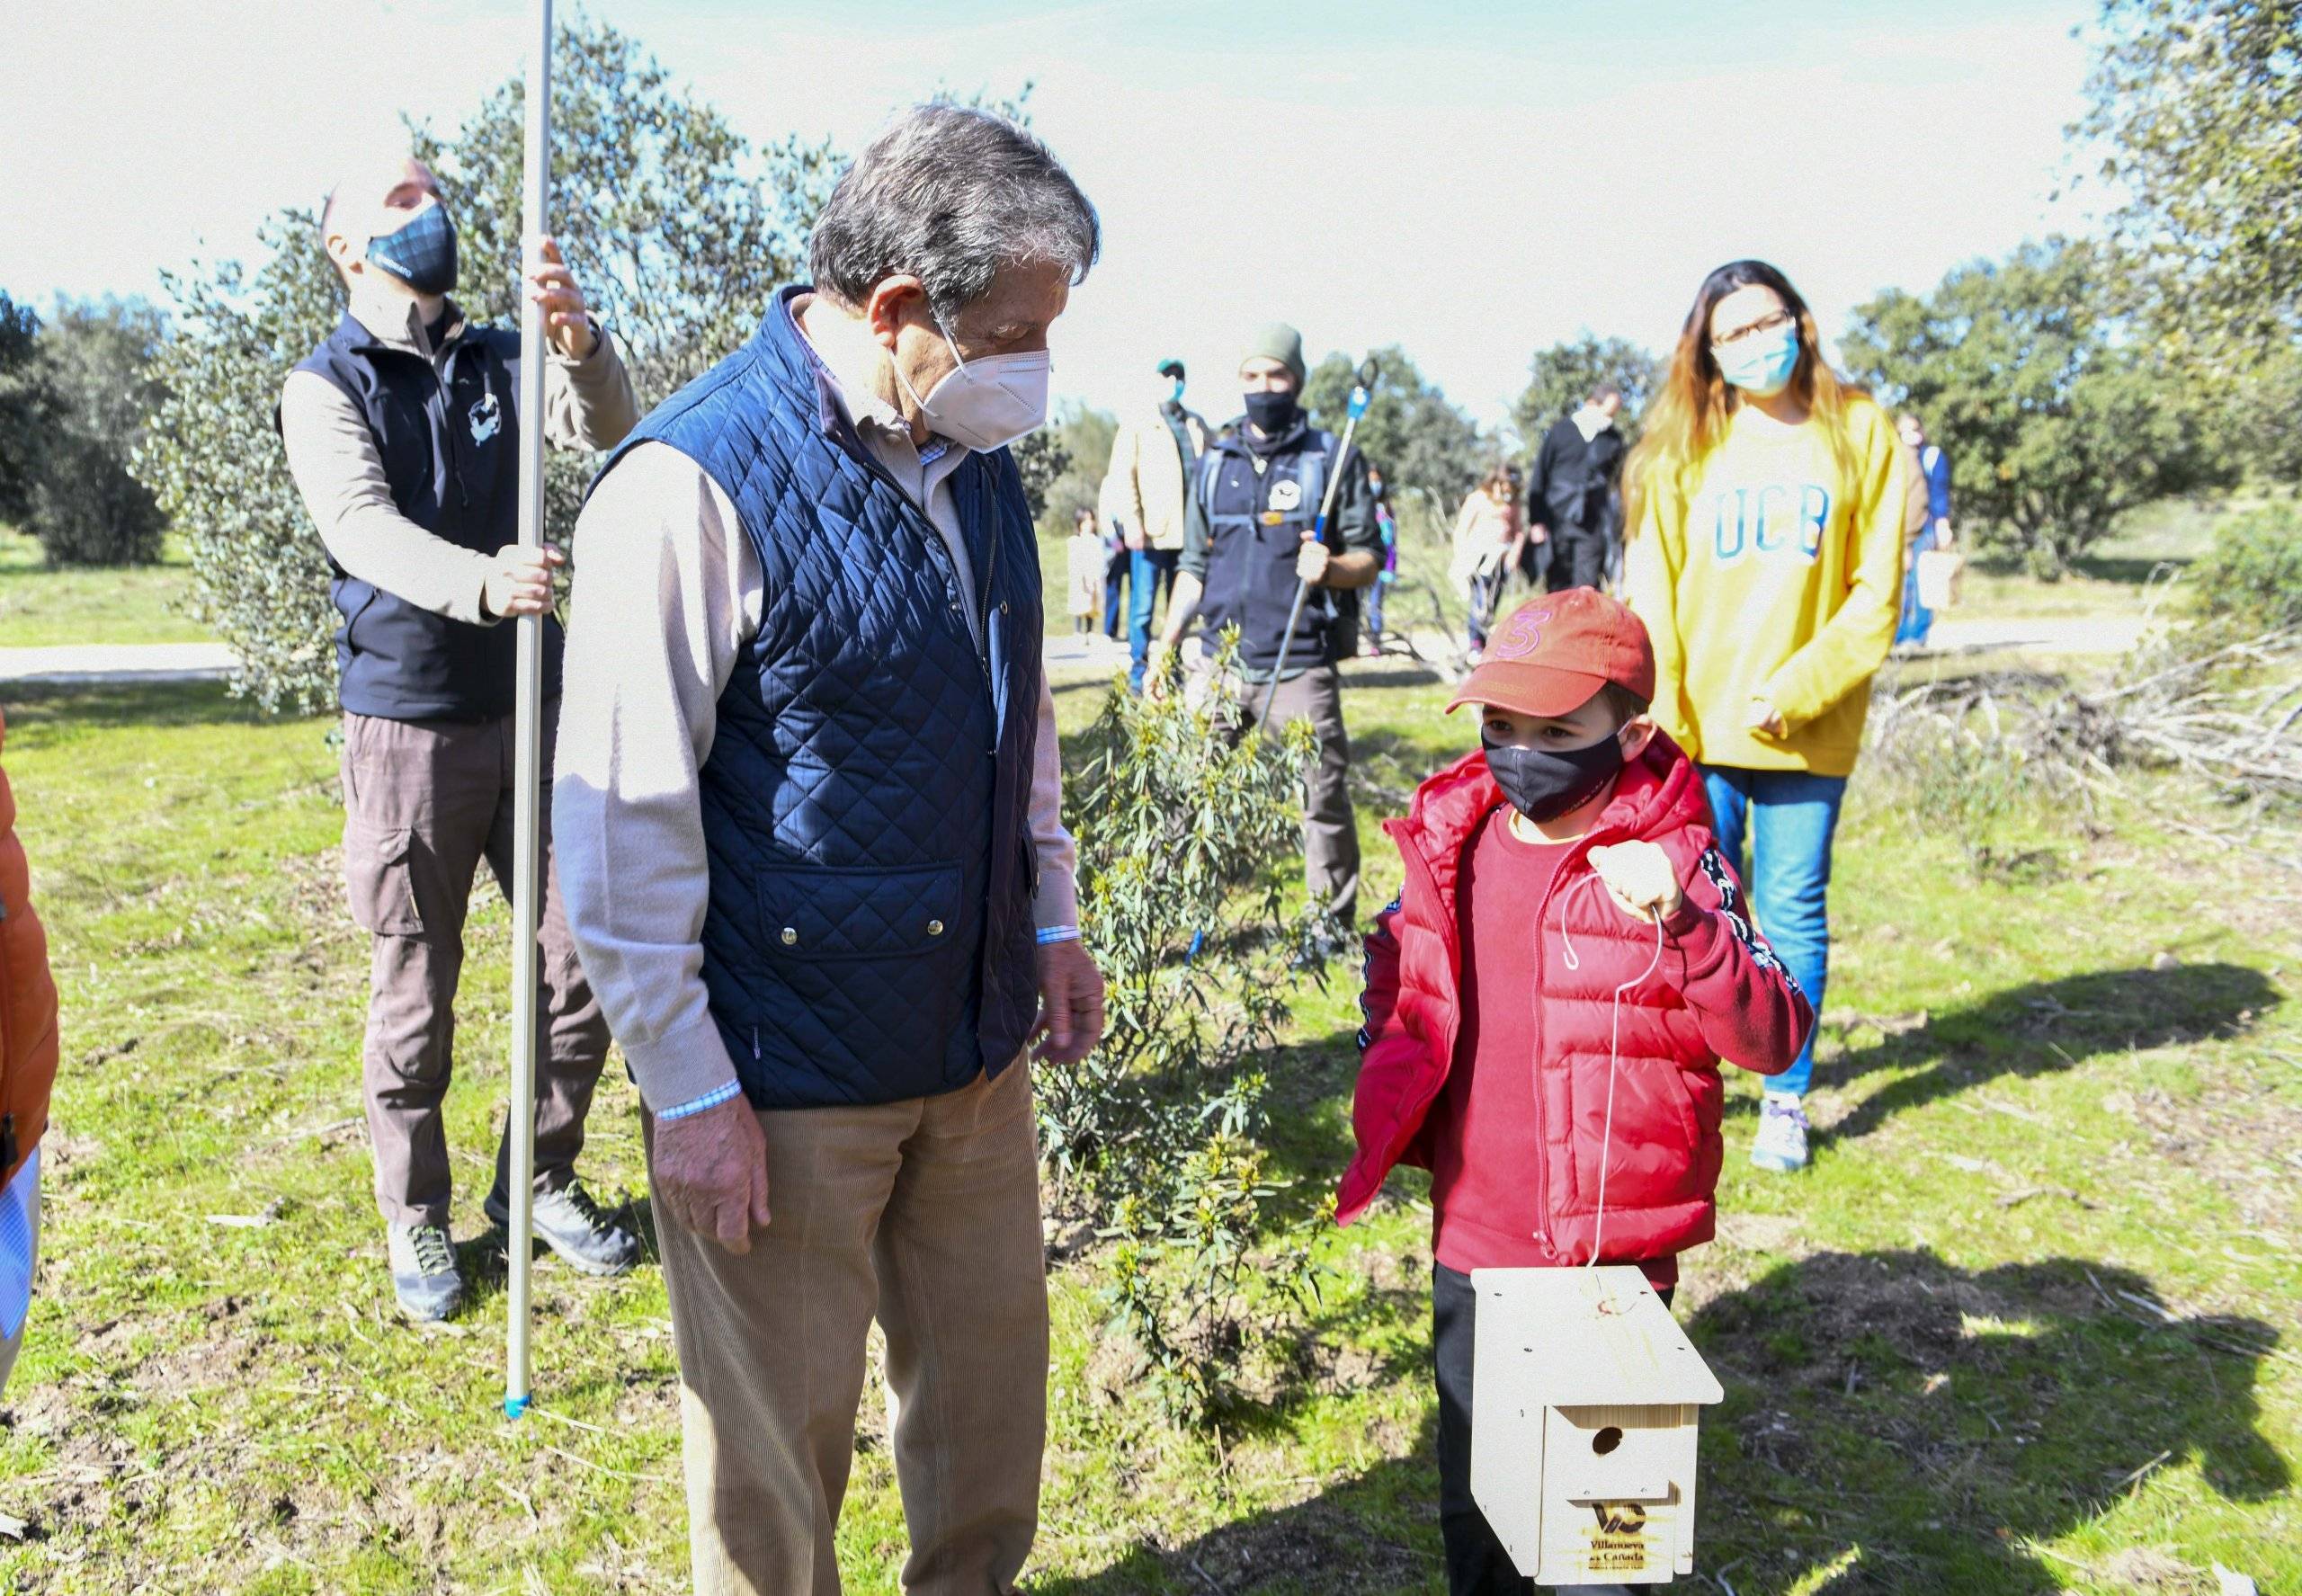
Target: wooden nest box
{"type": "Point", "coordinates": [1582, 1438]}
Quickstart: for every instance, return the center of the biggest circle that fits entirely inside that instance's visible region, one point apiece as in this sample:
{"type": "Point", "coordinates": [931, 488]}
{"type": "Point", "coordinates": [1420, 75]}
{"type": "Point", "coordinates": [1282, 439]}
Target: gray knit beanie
{"type": "Point", "coordinates": [1277, 341]}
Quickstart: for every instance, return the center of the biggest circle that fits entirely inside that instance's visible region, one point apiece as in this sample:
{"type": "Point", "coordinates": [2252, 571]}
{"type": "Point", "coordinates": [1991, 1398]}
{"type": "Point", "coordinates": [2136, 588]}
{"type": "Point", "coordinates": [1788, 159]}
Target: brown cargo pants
{"type": "Point", "coordinates": [1330, 825]}
{"type": "Point", "coordinates": [424, 801]}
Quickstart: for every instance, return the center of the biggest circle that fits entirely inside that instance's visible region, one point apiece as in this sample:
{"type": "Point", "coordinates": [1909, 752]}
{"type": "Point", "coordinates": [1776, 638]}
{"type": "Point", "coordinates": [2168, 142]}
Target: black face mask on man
{"type": "Point", "coordinates": [1545, 784]}
{"type": "Point", "coordinates": [1272, 411]}
{"type": "Point", "coordinates": [421, 252]}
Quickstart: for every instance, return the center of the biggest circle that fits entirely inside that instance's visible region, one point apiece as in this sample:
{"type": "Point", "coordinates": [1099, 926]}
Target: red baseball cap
{"type": "Point", "coordinates": [1555, 652]}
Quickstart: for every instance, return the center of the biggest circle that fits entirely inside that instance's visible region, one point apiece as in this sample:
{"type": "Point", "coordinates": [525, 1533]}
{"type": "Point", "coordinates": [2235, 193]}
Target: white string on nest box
{"type": "Point", "coordinates": [1614, 1061]}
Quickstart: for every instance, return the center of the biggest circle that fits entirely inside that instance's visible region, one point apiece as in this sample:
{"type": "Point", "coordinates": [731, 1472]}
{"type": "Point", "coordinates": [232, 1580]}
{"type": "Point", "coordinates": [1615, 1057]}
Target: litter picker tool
{"type": "Point", "coordinates": [1361, 394]}
{"type": "Point", "coordinates": [527, 766]}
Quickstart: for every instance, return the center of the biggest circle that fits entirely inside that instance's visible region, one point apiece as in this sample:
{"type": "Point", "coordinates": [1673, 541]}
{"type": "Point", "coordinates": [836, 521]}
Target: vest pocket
{"type": "Point", "coordinates": [815, 915]}
{"type": "Point", "coordinates": [864, 979]}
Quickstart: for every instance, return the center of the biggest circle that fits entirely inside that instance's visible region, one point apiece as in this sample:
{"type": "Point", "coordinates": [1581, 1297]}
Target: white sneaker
{"type": "Point", "coordinates": [1782, 1142]}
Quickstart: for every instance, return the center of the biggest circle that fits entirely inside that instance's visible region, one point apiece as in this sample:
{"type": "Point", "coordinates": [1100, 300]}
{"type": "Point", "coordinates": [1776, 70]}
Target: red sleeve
{"type": "Point", "coordinates": [1748, 1007]}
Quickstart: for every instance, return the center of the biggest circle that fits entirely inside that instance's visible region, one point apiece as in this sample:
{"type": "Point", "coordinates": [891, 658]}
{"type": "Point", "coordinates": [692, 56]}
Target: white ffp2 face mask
{"type": "Point", "coordinates": [988, 404]}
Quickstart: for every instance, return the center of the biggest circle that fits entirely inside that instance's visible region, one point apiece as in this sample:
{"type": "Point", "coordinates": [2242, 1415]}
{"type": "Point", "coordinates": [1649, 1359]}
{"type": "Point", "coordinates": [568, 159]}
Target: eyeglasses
{"type": "Point", "coordinates": [1773, 321]}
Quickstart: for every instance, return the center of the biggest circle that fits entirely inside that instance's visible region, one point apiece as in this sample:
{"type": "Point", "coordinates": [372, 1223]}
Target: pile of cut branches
{"type": "Point", "coordinates": [2229, 713]}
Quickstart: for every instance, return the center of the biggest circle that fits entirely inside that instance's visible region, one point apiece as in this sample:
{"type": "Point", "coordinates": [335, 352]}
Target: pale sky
{"type": "Point", "coordinates": [1472, 181]}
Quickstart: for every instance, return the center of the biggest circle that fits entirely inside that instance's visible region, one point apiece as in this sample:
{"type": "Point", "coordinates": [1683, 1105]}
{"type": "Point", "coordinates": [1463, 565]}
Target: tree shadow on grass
{"type": "Point", "coordinates": [1377, 1532]}
{"type": "Point", "coordinates": [41, 709]}
{"type": "Point", "coordinates": [2048, 1026]}
{"type": "Point", "coordinates": [1916, 1427]}
{"type": "Point", "coordinates": [1892, 1424]}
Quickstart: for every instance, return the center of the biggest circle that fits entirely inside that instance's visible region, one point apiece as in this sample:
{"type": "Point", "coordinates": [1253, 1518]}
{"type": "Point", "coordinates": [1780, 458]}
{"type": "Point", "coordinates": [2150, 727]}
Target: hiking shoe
{"type": "Point", "coordinates": [423, 1270]}
{"type": "Point", "coordinates": [1781, 1144]}
{"type": "Point", "coordinates": [579, 1229]}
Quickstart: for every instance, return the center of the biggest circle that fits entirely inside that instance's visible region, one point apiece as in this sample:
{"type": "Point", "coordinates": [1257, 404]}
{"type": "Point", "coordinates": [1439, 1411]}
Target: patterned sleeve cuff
{"type": "Point", "coordinates": [1057, 934]}
{"type": "Point", "coordinates": [696, 1105]}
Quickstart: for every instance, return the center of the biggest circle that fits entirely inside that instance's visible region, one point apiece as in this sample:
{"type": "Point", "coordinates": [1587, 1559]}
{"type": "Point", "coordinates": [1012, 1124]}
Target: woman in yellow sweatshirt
{"type": "Point", "coordinates": [1766, 558]}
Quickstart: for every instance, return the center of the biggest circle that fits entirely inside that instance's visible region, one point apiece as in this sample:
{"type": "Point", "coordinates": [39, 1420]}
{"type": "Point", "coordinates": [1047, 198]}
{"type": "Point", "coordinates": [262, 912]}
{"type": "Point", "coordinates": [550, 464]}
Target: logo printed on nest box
{"type": "Point", "coordinates": [1619, 1518]}
{"type": "Point", "coordinates": [486, 418]}
{"type": "Point", "coordinates": [1287, 495]}
{"type": "Point", "coordinates": [1520, 637]}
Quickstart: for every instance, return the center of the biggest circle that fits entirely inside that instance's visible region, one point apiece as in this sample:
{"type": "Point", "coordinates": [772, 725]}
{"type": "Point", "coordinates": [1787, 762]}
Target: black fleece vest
{"type": "Point", "coordinates": [448, 439]}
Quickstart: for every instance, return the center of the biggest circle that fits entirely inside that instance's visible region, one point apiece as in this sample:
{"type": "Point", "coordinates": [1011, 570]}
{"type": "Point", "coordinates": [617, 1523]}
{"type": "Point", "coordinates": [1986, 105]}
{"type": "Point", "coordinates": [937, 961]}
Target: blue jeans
{"type": "Point", "coordinates": [1150, 570]}
{"type": "Point", "coordinates": [1114, 580]}
{"type": "Point", "coordinates": [1789, 817]}
{"type": "Point", "coordinates": [1917, 619]}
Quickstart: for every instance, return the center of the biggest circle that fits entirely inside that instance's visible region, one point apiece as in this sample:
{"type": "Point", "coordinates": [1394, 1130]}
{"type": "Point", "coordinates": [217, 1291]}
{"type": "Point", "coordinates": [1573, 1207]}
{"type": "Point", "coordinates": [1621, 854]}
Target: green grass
{"type": "Point", "coordinates": [2014, 1333]}
{"type": "Point", "coordinates": [41, 607]}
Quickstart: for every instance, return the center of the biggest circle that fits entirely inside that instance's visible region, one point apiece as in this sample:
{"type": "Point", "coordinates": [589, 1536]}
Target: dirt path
{"type": "Point", "coordinates": [124, 664]}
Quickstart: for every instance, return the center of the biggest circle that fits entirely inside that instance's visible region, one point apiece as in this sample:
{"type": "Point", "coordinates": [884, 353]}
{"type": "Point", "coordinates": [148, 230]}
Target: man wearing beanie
{"type": "Point", "coordinates": [1248, 543]}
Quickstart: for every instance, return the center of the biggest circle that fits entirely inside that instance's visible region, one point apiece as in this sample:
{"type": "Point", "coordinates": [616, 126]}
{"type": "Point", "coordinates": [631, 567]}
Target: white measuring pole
{"type": "Point", "coordinates": [527, 767]}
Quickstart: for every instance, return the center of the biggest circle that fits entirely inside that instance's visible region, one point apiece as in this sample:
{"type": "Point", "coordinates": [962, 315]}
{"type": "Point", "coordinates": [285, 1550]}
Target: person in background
{"type": "Point", "coordinates": [1089, 558]}
{"type": "Point", "coordinates": [1933, 529]}
{"type": "Point", "coordinates": [27, 1076]}
{"type": "Point", "coordinates": [1559, 873]}
{"type": "Point", "coordinates": [1147, 487]}
{"type": "Point", "coordinates": [402, 431]}
{"type": "Point", "coordinates": [1489, 537]}
{"type": "Point", "coordinates": [1766, 558]}
{"type": "Point", "coordinates": [1250, 548]}
{"type": "Point", "coordinates": [1115, 534]}
{"type": "Point", "coordinates": [1388, 524]}
{"type": "Point", "coordinates": [1569, 492]}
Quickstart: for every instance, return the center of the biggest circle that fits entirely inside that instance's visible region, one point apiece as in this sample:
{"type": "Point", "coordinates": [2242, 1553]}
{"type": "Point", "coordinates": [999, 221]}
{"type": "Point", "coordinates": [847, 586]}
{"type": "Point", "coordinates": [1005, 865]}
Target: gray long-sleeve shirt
{"type": "Point", "coordinates": [588, 403]}
{"type": "Point", "coordinates": [668, 596]}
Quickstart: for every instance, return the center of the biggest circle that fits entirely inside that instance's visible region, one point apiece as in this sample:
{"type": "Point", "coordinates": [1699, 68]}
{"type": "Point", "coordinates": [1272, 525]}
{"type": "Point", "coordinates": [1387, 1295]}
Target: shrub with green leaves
{"type": "Point", "coordinates": [2250, 580]}
{"type": "Point", "coordinates": [1187, 844]}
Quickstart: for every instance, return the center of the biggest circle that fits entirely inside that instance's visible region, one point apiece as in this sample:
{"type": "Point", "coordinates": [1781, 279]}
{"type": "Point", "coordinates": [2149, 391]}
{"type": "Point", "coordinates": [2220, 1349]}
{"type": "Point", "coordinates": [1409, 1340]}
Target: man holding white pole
{"type": "Point", "coordinates": [809, 821]}
{"type": "Point", "coordinates": [403, 433]}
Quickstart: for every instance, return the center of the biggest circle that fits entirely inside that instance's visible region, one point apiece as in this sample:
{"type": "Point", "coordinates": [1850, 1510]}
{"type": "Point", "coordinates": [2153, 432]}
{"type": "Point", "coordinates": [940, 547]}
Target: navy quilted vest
{"type": "Point", "coordinates": [449, 441]}
{"type": "Point", "coordinates": [866, 799]}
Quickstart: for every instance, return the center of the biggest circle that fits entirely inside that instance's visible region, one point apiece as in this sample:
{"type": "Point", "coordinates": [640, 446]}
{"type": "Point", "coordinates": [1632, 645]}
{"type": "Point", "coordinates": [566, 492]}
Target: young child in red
{"type": "Point", "coordinates": [1538, 869]}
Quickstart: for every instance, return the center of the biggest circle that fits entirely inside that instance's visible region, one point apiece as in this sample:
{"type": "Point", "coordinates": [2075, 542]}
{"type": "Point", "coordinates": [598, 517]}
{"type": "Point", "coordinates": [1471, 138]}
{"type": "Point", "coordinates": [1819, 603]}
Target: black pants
{"type": "Point", "coordinates": [1477, 1563]}
{"type": "Point", "coordinates": [1578, 557]}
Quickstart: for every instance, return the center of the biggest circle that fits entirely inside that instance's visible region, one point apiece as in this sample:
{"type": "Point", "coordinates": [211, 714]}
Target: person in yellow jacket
{"type": "Point", "coordinates": [1766, 559]}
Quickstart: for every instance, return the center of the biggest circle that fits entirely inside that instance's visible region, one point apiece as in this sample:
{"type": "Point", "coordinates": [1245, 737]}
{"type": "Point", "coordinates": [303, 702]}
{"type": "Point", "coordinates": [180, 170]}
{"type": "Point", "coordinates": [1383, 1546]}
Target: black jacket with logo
{"type": "Point", "coordinates": [1251, 500]}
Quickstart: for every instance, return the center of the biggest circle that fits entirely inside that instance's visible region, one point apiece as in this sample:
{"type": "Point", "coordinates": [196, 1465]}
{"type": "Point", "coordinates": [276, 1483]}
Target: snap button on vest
{"type": "Point", "coordinates": [790, 937]}
{"type": "Point", "coordinates": [935, 928]}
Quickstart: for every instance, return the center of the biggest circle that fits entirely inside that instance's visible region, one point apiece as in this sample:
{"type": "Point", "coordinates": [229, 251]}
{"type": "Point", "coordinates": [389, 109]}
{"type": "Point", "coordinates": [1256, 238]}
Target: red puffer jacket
{"type": "Point", "coordinates": [1718, 993]}
{"type": "Point", "coordinates": [27, 1002]}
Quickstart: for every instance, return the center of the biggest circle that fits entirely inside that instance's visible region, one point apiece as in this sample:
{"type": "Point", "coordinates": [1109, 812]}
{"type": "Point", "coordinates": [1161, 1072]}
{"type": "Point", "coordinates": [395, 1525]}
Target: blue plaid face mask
{"type": "Point", "coordinates": [421, 252]}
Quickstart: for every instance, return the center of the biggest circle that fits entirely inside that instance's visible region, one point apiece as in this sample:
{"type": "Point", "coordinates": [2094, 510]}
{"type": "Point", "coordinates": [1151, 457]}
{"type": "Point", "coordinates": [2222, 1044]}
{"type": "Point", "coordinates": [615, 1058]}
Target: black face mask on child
{"type": "Point", "coordinates": [1543, 783]}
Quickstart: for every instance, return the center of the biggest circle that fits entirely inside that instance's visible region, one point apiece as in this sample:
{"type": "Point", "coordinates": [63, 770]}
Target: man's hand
{"type": "Point", "coordinates": [566, 320]}
{"type": "Point", "coordinates": [1639, 877]}
{"type": "Point", "coordinates": [1311, 564]}
{"type": "Point", "coordinates": [1071, 1004]}
{"type": "Point", "coordinates": [1765, 718]}
{"type": "Point", "coordinates": [520, 582]}
{"type": "Point", "coordinates": [709, 1173]}
{"type": "Point", "coordinates": [1159, 671]}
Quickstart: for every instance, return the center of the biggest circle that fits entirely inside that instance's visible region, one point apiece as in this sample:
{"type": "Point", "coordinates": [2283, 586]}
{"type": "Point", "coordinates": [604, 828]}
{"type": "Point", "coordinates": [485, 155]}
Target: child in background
{"type": "Point", "coordinates": [1088, 563]}
{"type": "Point", "coordinates": [1563, 871]}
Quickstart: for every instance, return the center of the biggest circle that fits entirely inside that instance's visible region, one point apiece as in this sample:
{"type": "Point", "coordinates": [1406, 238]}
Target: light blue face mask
{"type": "Point", "coordinates": [1761, 366]}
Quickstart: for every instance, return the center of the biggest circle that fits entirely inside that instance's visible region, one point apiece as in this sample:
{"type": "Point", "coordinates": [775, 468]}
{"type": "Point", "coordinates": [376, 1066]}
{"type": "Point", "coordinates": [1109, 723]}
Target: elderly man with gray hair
{"type": "Point", "coordinates": [808, 825]}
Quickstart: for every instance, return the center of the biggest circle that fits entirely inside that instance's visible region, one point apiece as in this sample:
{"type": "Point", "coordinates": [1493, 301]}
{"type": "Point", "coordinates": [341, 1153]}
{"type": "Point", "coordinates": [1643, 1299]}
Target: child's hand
{"type": "Point", "coordinates": [1640, 878]}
